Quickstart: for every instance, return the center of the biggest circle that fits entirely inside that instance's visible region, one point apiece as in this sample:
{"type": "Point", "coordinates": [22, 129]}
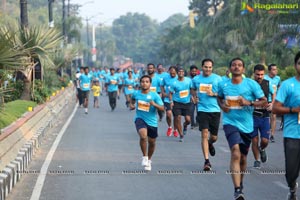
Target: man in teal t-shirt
{"type": "Point", "coordinates": [287, 103]}
{"type": "Point", "coordinates": [146, 104]}
{"type": "Point", "coordinates": [236, 98]}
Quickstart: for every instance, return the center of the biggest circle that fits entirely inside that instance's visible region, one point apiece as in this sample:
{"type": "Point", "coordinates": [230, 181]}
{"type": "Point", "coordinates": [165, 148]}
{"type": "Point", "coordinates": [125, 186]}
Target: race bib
{"type": "Point", "coordinates": [86, 85]}
{"type": "Point", "coordinates": [233, 102]}
{"type": "Point", "coordinates": [143, 106]}
{"type": "Point", "coordinates": [183, 94]}
{"type": "Point", "coordinates": [153, 89]}
{"type": "Point", "coordinates": [274, 88]}
{"type": "Point", "coordinates": [204, 88]}
{"type": "Point", "coordinates": [113, 82]}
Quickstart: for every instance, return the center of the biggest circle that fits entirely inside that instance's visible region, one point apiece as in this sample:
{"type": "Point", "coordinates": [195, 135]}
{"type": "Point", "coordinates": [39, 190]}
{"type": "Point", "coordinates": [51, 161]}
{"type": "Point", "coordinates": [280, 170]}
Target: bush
{"type": "Point", "coordinates": [40, 92]}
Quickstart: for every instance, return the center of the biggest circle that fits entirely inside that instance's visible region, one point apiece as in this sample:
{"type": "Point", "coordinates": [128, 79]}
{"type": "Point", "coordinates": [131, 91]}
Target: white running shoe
{"type": "Point", "coordinates": [148, 167]}
{"type": "Point", "coordinates": [145, 161]}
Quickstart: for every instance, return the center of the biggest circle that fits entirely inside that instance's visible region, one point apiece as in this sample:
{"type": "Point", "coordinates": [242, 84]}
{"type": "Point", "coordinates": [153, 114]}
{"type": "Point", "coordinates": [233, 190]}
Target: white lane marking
{"type": "Point", "coordinates": [280, 184]}
{"type": "Point", "coordinates": [42, 176]}
{"type": "Point", "coordinates": [224, 149]}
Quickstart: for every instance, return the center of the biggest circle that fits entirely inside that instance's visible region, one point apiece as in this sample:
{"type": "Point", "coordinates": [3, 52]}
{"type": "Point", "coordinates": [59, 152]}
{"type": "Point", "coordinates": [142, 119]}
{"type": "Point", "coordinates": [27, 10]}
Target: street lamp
{"type": "Point", "coordinates": [93, 49]}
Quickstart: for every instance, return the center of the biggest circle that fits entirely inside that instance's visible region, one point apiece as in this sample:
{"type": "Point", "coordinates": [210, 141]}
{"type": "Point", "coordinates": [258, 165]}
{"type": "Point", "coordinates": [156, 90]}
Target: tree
{"type": "Point", "coordinates": [135, 36]}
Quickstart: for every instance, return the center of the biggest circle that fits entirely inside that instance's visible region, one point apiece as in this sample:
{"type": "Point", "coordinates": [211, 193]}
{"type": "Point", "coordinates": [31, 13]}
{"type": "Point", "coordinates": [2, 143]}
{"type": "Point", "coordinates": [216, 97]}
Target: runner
{"type": "Point", "coordinates": [147, 102]}
{"type": "Point", "coordinates": [236, 98]}
{"type": "Point", "coordinates": [261, 118]}
{"type": "Point", "coordinates": [275, 81]}
{"type": "Point", "coordinates": [156, 82]}
{"type": "Point", "coordinates": [161, 74]}
{"type": "Point", "coordinates": [165, 89]}
{"type": "Point", "coordinates": [180, 97]}
{"type": "Point", "coordinates": [85, 86]}
{"type": "Point", "coordinates": [287, 103]}
{"type": "Point", "coordinates": [79, 92]}
{"type": "Point", "coordinates": [193, 73]}
{"type": "Point", "coordinates": [205, 88]}
{"type": "Point", "coordinates": [129, 84]}
{"type": "Point", "coordinates": [96, 92]}
{"type": "Point", "coordinates": [112, 88]}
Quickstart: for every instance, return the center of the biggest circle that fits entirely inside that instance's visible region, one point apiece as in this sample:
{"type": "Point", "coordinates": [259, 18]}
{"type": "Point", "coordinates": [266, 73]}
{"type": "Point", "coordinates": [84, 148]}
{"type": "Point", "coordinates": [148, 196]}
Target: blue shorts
{"type": "Point", "coordinates": [151, 130]}
{"type": "Point", "coordinates": [235, 136]}
{"type": "Point", "coordinates": [261, 124]}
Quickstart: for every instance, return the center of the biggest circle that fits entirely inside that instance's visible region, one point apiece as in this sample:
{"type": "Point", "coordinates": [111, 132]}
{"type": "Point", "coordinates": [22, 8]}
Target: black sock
{"type": "Point", "coordinates": [206, 161]}
{"type": "Point", "coordinates": [237, 189]}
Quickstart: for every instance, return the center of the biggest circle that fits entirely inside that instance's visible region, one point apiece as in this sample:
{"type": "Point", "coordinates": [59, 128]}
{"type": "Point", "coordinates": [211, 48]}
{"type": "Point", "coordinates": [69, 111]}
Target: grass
{"type": "Point", "coordinates": [13, 110]}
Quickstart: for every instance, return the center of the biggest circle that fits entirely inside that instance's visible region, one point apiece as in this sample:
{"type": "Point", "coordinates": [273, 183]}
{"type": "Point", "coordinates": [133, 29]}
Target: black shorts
{"type": "Point", "coordinates": [120, 87]}
{"type": "Point", "coordinates": [151, 130]}
{"type": "Point", "coordinates": [85, 94]}
{"type": "Point", "coordinates": [167, 106]}
{"type": "Point", "coordinates": [182, 109]}
{"type": "Point", "coordinates": [209, 120]}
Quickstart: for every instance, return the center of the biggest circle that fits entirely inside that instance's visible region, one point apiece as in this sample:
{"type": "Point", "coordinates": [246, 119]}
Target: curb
{"type": "Point", "coordinates": [13, 171]}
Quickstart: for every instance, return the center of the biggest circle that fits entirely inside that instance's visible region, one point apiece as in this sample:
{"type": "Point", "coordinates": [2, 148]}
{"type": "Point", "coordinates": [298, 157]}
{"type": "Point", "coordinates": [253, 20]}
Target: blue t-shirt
{"type": "Point", "coordinates": [203, 83]}
{"type": "Point", "coordinates": [240, 117]}
{"type": "Point", "coordinates": [85, 82]}
{"type": "Point", "coordinates": [289, 95]}
{"type": "Point", "coordinates": [155, 85]}
{"type": "Point", "coordinates": [144, 110]}
{"type": "Point", "coordinates": [112, 82]}
{"type": "Point", "coordinates": [129, 88]}
{"type": "Point", "coordinates": [275, 81]}
{"type": "Point", "coordinates": [181, 90]}
{"type": "Point", "coordinates": [167, 81]}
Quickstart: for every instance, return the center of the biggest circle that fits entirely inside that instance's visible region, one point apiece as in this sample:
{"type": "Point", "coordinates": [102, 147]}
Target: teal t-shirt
{"type": "Point", "coordinates": [129, 88]}
{"type": "Point", "coordinates": [181, 90]}
{"type": "Point", "coordinates": [289, 95]}
{"type": "Point", "coordinates": [85, 82]}
{"type": "Point", "coordinates": [166, 82]}
{"type": "Point", "coordinates": [112, 83]}
{"type": "Point", "coordinates": [144, 110]}
{"type": "Point", "coordinates": [203, 83]}
{"type": "Point", "coordinates": [240, 116]}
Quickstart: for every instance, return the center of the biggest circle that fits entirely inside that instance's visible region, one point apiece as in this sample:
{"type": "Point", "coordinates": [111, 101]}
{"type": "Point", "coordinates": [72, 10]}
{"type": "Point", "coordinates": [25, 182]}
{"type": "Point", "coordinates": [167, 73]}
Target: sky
{"type": "Point", "coordinates": [105, 11]}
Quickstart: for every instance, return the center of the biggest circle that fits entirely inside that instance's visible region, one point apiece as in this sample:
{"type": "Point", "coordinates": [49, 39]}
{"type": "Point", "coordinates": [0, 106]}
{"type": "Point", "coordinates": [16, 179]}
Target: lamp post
{"type": "Point", "coordinates": [50, 12]}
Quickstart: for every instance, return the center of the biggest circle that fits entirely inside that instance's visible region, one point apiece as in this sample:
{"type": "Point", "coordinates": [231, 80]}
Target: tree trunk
{"type": "Point", "coordinates": [27, 87]}
{"type": "Point", "coordinates": [23, 13]}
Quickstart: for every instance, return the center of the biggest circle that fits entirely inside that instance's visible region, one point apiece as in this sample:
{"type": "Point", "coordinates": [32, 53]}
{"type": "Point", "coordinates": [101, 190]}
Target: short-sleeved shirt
{"type": "Point", "coordinates": [129, 88]}
{"type": "Point", "coordinates": [289, 95]}
{"type": "Point", "coordinates": [96, 90]}
{"type": "Point", "coordinates": [240, 116]}
{"type": "Point", "coordinates": [144, 110]}
{"type": "Point", "coordinates": [155, 84]}
{"type": "Point", "coordinates": [275, 81]}
{"type": "Point", "coordinates": [181, 90]}
{"type": "Point", "coordinates": [85, 82]}
{"type": "Point", "coordinates": [202, 84]}
{"type": "Point", "coordinates": [167, 81]}
{"type": "Point", "coordinates": [113, 83]}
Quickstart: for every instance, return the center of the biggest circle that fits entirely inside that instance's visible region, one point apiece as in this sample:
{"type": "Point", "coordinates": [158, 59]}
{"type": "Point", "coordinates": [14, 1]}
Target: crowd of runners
{"type": "Point", "coordinates": [248, 107]}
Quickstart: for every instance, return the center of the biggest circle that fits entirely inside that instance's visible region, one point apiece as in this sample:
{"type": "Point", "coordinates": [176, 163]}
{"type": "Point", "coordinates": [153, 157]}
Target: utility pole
{"type": "Point", "coordinates": [24, 13]}
{"type": "Point", "coordinates": [50, 12]}
{"type": "Point", "coordinates": [88, 39]}
{"type": "Point", "coordinates": [64, 21]}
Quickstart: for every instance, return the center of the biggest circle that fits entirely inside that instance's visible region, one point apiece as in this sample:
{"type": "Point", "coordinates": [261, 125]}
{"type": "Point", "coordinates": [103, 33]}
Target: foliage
{"type": "Point", "coordinates": [14, 110]}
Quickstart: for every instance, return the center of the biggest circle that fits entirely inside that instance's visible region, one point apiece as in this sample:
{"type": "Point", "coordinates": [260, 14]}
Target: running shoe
{"type": "Point", "coordinates": [145, 161]}
{"type": "Point", "coordinates": [148, 167]}
{"type": "Point", "coordinates": [181, 139]}
{"type": "Point", "coordinates": [256, 164]}
{"type": "Point", "coordinates": [184, 130]}
{"type": "Point", "coordinates": [272, 139]}
{"type": "Point", "coordinates": [175, 133]}
{"type": "Point", "coordinates": [207, 167]}
{"type": "Point", "coordinates": [263, 155]}
{"type": "Point", "coordinates": [212, 150]}
{"type": "Point", "coordinates": [169, 131]}
{"type": "Point", "coordinates": [292, 196]}
{"type": "Point", "coordinates": [239, 195]}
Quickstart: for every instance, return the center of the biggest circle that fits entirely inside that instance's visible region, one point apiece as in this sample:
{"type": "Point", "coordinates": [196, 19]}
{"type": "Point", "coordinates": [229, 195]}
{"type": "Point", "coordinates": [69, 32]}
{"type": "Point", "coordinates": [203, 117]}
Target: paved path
{"type": "Point", "coordinates": [99, 157]}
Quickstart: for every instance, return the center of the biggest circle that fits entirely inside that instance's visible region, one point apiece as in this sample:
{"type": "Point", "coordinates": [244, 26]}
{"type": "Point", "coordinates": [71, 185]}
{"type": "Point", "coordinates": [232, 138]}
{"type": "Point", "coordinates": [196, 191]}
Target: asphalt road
{"type": "Point", "coordinates": [99, 157]}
